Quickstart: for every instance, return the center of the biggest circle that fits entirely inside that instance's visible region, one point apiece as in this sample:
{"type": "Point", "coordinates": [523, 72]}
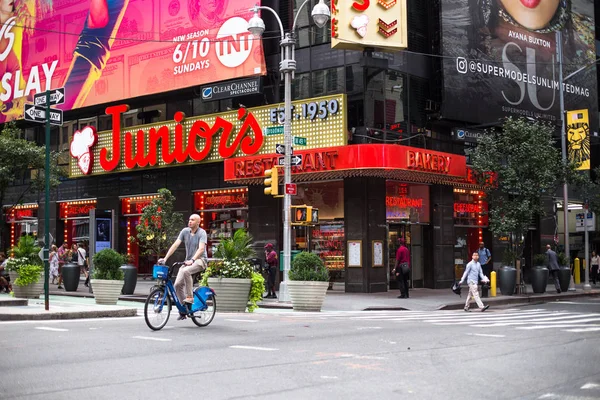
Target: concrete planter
{"type": "Point", "coordinates": [31, 291]}
{"type": "Point", "coordinates": [232, 293]}
{"type": "Point", "coordinates": [507, 279]}
{"type": "Point", "coordinates": [106, 291]}
{"type": "Point", "coordinates": [307, 295]}
{"type": "Point", "coordinates": [539, 279]}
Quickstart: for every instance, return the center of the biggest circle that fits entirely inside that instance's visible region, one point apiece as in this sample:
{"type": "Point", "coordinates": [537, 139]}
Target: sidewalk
{"type": "Point", "coordinates": [338, 300]}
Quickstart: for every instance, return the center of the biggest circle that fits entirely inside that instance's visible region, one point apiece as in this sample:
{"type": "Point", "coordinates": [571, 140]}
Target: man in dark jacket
{"type": "Point", "coordinates": [553, 266]}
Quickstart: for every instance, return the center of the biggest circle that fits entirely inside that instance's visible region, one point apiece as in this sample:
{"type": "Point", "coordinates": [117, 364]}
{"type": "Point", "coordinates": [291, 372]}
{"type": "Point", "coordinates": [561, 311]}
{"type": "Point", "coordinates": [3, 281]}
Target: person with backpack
{"type": "Point", "coordinates": [485, 258]}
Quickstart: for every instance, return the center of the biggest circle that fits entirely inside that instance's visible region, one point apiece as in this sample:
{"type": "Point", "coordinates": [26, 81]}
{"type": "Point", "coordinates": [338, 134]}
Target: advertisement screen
{"type": "Point", "coordinates": [108, 50]}
{"type": "Point", "coordinates": [103, 233]}
{"type": "Point", "coordinates": [500, 58]}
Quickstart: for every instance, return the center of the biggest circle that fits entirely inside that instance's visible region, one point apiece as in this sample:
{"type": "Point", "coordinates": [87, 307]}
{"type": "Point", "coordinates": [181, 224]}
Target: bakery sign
{"type": "Point", "coordinates": [210, 138]}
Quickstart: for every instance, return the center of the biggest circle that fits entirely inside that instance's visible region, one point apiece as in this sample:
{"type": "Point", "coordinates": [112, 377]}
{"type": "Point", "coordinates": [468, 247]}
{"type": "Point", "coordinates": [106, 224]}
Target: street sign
{"type": "Point", "coordinates": [57, 96]}
{"type": "Point", "coordinates": [280, 149]}
{"type": "Point", "coordinates": [291, 189]}
{"type": "Point", "coordinates": [300, 141]}
{"type": "Point", "coordinates": [38, 114]}
{"type": "Point", "coordinates": [591, 222]}
{"type": "Point", "coordinates": [274, 130]}
{"type": "Point", "coordinates": [296, 160]}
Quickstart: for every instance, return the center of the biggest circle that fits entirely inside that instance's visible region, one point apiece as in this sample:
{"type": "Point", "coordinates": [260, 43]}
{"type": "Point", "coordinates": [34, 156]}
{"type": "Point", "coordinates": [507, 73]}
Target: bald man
{"type": "Point", "coordinates": [196, 258]}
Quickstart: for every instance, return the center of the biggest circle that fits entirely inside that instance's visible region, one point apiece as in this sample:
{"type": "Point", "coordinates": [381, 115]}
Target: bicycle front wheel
{"type": "Point", "coordinates": [205, 317]}
{"type": "Point", "coordinates": [157, 312]}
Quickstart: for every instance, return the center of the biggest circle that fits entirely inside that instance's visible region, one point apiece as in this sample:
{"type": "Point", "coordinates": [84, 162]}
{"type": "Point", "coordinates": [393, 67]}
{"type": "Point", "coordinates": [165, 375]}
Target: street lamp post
{"type": "Point", "coordinates": [287, 67]}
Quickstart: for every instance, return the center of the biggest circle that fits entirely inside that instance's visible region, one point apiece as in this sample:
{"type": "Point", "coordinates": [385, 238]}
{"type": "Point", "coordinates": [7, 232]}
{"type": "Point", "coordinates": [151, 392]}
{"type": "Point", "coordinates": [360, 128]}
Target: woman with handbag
{"type": "Point", "coordinates": [402, 269]}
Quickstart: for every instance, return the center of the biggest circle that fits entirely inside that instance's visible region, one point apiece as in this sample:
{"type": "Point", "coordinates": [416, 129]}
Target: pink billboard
{"type": "Point", "coordinates": [109, 50]}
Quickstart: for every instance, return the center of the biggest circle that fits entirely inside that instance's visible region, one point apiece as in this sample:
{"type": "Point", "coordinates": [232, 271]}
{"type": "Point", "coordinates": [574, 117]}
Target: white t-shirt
{"type": "Point", "coordinates": [81, 256]}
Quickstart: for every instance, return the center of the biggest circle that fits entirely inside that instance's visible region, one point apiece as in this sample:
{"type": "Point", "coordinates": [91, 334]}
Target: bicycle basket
{"type": "Point", "coordinates": [160, 272]}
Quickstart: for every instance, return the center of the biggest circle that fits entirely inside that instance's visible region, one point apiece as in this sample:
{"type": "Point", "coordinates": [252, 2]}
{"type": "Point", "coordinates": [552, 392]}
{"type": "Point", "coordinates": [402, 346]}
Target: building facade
{"type": "Point", "coordinates": [384, 156]}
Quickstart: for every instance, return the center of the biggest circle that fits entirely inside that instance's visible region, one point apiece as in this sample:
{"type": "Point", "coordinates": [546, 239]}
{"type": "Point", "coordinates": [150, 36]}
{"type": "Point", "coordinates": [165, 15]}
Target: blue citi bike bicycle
{"type": "Point", "coordinates": [158, 304]}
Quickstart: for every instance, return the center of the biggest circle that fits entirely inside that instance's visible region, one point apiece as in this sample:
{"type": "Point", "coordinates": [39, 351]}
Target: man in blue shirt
{"type": "Point", "coordinates": [472, 275]}
{"type": "Point", "coordinates": [485, 259]}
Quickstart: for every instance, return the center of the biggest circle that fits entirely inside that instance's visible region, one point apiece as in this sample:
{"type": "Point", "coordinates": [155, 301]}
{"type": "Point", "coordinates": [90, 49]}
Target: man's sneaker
{"type": "Point", "coordinates": [485, 307]}
{"type": "Point", "coordinates": [181, 317]}
{"type": "Point", "coordinates": [466, 309]}
{"type": "Point", "coordinates": [59, 287]}
{"type": "Point", "coordinates": [189, 300]}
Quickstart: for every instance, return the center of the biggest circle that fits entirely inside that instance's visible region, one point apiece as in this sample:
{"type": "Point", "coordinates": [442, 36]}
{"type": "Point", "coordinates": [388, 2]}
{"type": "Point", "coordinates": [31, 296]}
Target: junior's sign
{"type": "Point", "coordinates": [207, 138]}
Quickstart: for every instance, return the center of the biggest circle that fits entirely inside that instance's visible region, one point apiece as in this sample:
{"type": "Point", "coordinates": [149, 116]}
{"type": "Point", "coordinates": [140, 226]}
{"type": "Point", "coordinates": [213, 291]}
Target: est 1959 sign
{"type": "Point", "coordinates": [310, 110]}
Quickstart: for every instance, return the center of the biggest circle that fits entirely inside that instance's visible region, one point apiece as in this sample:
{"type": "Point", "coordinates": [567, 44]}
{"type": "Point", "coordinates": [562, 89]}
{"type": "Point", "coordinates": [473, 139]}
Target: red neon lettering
{"type": "Point", "coordinates": [361, 5]}
{"type": "Point", "coordinates": [105, 163]}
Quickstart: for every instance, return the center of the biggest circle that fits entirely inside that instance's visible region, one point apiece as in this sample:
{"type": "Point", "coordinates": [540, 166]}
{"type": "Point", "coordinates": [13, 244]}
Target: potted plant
{"type": "Point", "coordinates": [539, 274]}
{"type": "Point", "coordinates": [507, 274]}
{"type": "Point", "coordinates": [308, 282]}
{"type": "Point", "coordinates": [107, 277]}
{"type": "Point", "coordinates": [129, 274]}
{"type": "Point", "coordinates": [564, 272]}
{"type": "Point", "coordinates": [25, 269]}
{"type": "Point", "coordinates": [232, 276]}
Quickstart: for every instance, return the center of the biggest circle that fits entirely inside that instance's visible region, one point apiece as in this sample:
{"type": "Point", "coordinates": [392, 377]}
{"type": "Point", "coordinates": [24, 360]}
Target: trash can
{"type": "Point", "coordinates": [130, 277]}
{"type": "Point", "coordinates": [293, 254]}
{"type": "Point", "coordinates": [507, 279]}
{"type": "Point", "coordinates": [70, 276]}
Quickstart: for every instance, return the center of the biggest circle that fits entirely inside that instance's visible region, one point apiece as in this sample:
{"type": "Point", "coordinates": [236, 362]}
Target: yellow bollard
{"type": "Point", "coordinates": [493, 283]}
{"type": "Point", "coordinates": [576, 272]}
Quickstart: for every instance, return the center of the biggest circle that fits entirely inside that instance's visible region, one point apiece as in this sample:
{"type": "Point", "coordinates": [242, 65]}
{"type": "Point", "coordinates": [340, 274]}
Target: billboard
{"type": "Point", "coordinates": [578, 136]}
{"type": "Point", "coordinates": [108, 50]}
{"type": "Point", "coordinates": [369, 23]}
{"type": "Point", "coordinates": [500, 58]}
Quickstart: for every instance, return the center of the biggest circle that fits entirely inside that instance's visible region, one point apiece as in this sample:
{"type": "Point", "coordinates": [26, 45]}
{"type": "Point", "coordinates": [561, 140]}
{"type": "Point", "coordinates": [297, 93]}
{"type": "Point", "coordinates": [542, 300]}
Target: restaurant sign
{"type": "Point", "coordinates": [209, 138]}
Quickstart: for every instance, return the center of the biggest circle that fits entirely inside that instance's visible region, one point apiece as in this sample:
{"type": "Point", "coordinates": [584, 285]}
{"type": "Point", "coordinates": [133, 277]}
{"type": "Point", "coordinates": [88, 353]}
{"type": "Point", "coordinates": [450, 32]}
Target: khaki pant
{"type": "Point", "coordinates": [474, 293]}
{"type": "Point", "coordinates": [184, 285]}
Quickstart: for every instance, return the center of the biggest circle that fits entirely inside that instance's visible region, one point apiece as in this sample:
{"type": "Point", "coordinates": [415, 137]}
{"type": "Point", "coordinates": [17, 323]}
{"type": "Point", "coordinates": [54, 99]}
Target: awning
{"type": "Point", "coordinates": [387, 161]}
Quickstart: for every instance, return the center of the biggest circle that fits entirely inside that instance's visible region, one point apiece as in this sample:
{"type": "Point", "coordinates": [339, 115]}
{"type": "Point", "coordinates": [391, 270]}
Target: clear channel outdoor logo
{"type": "Point", "coordinates": [207, 93]}
{"type": "Point", "coordinates": [460, 134]}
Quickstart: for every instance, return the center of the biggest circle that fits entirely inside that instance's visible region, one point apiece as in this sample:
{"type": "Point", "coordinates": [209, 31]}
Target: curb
{"type": "Point", "coordinates": [386, 308]}
{"type": "Point", "coordinates": [13, 302]}
{"type": "Point", "coordinates": [521, 300]}
{"type": "Point", "coordinates": [70, 315]}
{"type": "Point", "coordinates": [276, 306]}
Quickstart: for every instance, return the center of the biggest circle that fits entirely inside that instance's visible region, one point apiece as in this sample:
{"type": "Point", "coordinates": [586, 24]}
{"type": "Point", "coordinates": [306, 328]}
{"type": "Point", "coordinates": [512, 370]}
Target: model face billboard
{"type": "Point", "coordinates": [109, 50]}
{"type": "Point", "coordinates": [501, 58]}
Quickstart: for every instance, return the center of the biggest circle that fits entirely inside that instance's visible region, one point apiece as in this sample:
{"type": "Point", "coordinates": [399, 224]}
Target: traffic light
{"type": "Point", "coordinates": [301, 215]}
{"type": "Point", "coordinates": [272, 181]}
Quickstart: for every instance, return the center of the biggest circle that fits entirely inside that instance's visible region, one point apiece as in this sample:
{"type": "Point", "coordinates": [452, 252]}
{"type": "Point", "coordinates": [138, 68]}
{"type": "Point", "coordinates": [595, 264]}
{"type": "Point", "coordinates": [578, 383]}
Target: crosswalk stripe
{"type": "Point", "coordinates": [581, 330]}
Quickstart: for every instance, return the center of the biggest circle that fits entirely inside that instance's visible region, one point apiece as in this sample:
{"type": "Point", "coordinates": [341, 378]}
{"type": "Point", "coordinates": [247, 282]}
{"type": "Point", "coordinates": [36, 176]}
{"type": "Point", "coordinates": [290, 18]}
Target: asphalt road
{"type": "Point", "coordinates": [538, 352]}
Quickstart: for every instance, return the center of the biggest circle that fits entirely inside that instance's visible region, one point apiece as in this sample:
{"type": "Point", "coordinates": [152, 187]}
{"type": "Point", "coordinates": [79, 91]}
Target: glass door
{"type": "Point", "coordinates": [413, 237]}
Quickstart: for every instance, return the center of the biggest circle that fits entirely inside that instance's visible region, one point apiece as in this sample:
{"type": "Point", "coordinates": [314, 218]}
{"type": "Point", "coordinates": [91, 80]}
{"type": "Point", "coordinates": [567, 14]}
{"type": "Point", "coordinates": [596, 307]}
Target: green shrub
{"type": "Point", "coordinates": [28, 274]}
{"type": "Point", "coordinates": [563, 260]}
{"type": "Point", "coordinates": [107, 264]}
{"type": "Point", "coordinates": [26, 248]}
{"type": "Point", "coordinates": [241, 269]}
{"type": "Point", "coordinates": [256, 291]}
{"type": "Point", "coordinates": [539, 259]}
{"type": "Point", "coordinates": [308, 267]}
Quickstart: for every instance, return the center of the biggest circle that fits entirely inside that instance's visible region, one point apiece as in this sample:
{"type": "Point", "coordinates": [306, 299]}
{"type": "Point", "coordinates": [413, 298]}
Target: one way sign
{"type": "Point", "coordinates": [57, 96]}
{"type": "Point", "coordinates": [38, 114]}
{"type": "Point", "coordinates": [295, 161]}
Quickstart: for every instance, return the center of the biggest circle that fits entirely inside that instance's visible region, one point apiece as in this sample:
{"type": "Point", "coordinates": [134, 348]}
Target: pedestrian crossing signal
{"type": "Point", "coordinates": [272, 181]}
{"type": "Point", "coordinates": [305, 215]}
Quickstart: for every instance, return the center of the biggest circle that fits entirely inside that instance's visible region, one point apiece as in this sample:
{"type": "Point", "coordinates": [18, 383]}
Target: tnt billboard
{"type": "Point", "coordinates": [109, 50]}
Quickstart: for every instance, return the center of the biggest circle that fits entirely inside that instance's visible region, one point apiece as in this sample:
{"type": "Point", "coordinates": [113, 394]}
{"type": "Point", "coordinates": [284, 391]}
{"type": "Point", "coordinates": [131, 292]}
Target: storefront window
{"type": "Point", "coordinates": [407, 203]}
{"type": "Point", "coordinates": [222, 212]}
{"type": "Point", "coordinates": [23, 220]}
{"type": "Point", "coordinates": [131, 210]}
{"type": "Point", "coordinates": [470, 218]}
{"type": "Point", "coordinates": [75, 216]}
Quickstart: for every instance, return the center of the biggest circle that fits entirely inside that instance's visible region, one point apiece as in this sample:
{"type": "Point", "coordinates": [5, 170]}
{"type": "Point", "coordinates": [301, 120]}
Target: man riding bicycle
{"type": "Point", "coordinates": [196, 259]}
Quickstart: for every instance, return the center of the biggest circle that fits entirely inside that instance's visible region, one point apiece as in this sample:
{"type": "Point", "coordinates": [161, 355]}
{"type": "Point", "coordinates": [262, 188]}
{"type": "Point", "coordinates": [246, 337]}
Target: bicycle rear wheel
{"type": "Point", "coordinates": [205, 317]}
{"type": "Point", "coordinates": [156, 313]}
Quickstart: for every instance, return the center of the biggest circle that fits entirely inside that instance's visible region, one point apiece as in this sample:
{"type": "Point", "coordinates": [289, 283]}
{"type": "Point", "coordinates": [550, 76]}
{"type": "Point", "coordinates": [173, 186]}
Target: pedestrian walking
{"type": "Point", "coordinates": [553, 266]}
{"type": "Point", "coordinates": [63, 258]}
{"type": "Point", "coordinates": [595, 263]}
{"type": "Point", "coordinates": [402, 269]}
{"type": "Point", "coordinates": [473, 273]}
{"type": "Point", "coordinates": [271, 260]}
{"type": "Point", "coordinates": [4, 278]}
{"type": "Point", "coordinates": [53, 257]}
{"type": "Point", "coordinates": [196, 259]}
{"type": "Point", "coordinates": [82, 263]}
